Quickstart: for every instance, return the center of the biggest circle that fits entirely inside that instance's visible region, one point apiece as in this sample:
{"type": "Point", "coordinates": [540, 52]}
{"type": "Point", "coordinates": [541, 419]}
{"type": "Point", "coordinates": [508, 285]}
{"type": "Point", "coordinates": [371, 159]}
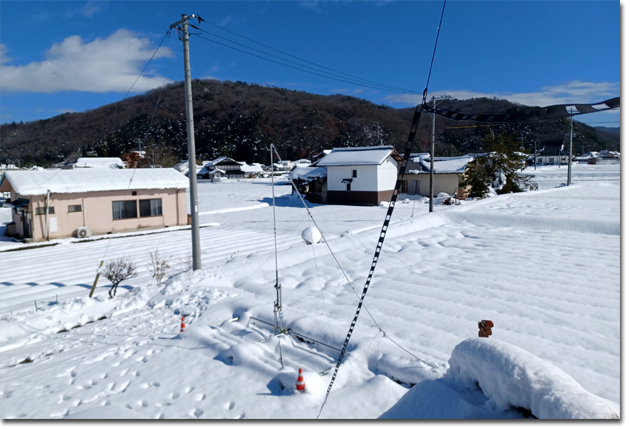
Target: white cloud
{"type": "Point", "coordinates": [91, 8]}
{"type": "Point", "coordinates": [3, 54]}
{"type": "Point", "coordinates": [567, 93]}
{"type": "Point", "coordinates": [103, 65]}
{"type": "Point", "coordinates": [226, 20]}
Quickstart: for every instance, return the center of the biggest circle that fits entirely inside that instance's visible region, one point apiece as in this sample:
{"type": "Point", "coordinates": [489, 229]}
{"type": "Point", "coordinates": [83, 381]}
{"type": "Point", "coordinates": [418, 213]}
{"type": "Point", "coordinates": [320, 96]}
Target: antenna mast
{"type": "Point", "coordinates": [278, 315]}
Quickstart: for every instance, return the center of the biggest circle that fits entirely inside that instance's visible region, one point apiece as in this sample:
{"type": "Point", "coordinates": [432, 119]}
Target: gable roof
{"type": "Point", "coordinates": [92, 180]}
{"type": "Point", "coordinates": [371, 155]}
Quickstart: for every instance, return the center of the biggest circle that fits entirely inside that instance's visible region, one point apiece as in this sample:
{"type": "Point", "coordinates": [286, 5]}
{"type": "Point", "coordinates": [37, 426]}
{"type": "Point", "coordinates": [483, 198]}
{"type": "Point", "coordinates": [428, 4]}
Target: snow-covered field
{"type": "Point", "coordinates": [544, 266]}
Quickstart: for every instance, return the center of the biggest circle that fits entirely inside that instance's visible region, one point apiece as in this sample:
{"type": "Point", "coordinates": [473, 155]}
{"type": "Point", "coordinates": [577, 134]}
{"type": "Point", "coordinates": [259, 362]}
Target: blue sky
{"type": "Point", "coordinates": [78, 55]}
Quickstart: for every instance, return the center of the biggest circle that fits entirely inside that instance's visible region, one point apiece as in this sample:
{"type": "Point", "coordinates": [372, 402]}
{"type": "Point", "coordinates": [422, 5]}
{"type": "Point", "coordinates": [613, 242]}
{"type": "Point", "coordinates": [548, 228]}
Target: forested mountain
{"type": "Point", "coordinates": [240, 120]}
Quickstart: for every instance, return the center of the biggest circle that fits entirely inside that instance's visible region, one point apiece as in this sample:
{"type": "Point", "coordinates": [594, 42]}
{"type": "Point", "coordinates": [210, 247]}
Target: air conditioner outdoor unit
{"type": "Point", "coordinates": [84, 231]}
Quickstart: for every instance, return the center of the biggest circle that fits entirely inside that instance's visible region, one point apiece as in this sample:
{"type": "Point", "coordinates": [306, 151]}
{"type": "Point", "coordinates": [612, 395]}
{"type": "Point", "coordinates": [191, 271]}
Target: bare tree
{"type": "Point", "coordinates": [159, 265]}
{"type": "Point", "coordinates": [118, 270]}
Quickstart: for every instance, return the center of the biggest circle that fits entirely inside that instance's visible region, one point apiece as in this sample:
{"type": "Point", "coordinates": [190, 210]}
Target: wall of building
{"type": "Point", "coordinates": [443, 182]}
{"type": "Point", "coordinates": [387, 175]}
{"type": "Point", "coordinates": [97, 212]}
{"type": "Point", "coordinates": [370, 178]}
{"type": "Point", "coordinates": [366, 180]}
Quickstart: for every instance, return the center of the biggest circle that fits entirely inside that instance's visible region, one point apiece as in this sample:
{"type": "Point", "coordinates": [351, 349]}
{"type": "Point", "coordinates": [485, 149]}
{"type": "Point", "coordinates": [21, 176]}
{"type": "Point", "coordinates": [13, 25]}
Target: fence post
{"type": "Point", "coordinates": [98, 273]}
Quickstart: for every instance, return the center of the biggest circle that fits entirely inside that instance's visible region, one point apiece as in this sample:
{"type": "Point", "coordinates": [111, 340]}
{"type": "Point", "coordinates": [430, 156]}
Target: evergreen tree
{"type": "Point", "coordinates": [499, 171]}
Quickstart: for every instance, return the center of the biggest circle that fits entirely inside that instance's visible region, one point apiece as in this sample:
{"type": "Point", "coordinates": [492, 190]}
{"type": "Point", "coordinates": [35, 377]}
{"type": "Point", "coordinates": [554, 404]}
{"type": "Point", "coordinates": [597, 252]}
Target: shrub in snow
{"type": "Point", "coordinates": [118, 270]}
{"type": "Point", "coordinates": [186, 262]}
{"type": "Point", "coordinates": [159, 265]}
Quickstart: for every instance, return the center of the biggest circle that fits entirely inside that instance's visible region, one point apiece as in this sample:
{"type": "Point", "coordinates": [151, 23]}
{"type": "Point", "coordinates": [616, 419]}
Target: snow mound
{"type": "Point", "coordinates": [511, 376]}
{"type": "Point", "coordinates": [504, 379]}
{"type": "Point", "coordinates": [311, 235]}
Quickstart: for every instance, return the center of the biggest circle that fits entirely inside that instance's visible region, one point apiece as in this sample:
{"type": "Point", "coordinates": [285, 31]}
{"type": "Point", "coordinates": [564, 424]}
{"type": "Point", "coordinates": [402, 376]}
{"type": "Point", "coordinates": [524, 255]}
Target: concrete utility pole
{"type": "Point", "coordinates": [431, 193]}
{"type": "Point", "coordinates": [192, 162]}
{"type": "Point", "coordinates": [570, 152]}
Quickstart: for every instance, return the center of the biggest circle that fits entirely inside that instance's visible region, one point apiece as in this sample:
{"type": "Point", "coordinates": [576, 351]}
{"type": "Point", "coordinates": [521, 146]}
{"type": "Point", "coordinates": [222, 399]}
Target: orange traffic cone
{"type": "Point", "coordinates": [183, 325]}
{"type": "Point", "coordinates": [300, 382]}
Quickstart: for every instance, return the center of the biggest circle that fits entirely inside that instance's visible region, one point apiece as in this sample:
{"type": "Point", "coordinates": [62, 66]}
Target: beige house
{"type": "Point", "coordinates": [82, 202]}
{"type": "Point", "coordinates": [446, 175]}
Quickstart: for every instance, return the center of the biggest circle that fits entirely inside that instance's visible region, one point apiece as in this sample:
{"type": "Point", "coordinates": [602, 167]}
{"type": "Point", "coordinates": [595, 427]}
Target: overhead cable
{"type": "Point", "coordinates": [305, 68]}
{"type": "Point", "coordinates": [303, 60]}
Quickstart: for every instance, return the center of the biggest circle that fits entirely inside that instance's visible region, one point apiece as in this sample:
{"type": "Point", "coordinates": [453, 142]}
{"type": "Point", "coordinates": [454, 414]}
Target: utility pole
{"type": "Point", "coordinates": [432, 153]}
{"type": "Point", "coordinates": [192, 162]}
{"type": "Point", "coordinates": [570, 151]}
{"type": "Point", "coordinates": [535, 152]}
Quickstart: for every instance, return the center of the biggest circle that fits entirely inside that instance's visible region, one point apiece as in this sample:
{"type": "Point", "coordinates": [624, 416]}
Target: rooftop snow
{"type": "Point", "coordinates": [307, 173]}
{"type": "Point", "coordinates": [253, 168]}
{"type": "Point", "coordinates": [96, 162]}
{"type": "Point", "coordinates": [448, 165]}
{"type": "Point", "coordinates": [93, 180]}
{"type": "Point", "coordinates": [373, 155]}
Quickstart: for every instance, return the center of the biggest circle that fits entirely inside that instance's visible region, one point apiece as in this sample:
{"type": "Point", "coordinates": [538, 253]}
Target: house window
{"type": "Point", "coordinates": [354, 173]}
{"type": "Point", "coordinates": [42, 210]}
{"type": "Point", "coordinates": [134, 193]}
{"type": "Point", "coordinates": [74, 208]}
{"type": "Point", "coordinates": [124, 209]}
{"type": "Point", "coordinates": [151, 207]}
{"type": "Point", "coordinates": [348, 186]}
{"type": "Point", "coordinates": [404, 189]}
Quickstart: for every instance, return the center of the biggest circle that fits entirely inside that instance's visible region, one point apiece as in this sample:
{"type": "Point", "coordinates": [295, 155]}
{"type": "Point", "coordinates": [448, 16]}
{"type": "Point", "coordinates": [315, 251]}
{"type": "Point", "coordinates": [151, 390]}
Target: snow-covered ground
{"type": "Point", "coordinates": [544, 266]}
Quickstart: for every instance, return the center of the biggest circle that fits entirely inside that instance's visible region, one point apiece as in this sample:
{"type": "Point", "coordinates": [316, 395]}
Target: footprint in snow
{"type": "Point", "coordinates": [229, 405]}
{"type": "Point", "coordinates": [196, 412]}
{"type": "Point", "coordinates": [200, 397]}
{"type": "Point", "coordinates": [189, 389]}
{"type": "Point", "coordinates": [174, 395]}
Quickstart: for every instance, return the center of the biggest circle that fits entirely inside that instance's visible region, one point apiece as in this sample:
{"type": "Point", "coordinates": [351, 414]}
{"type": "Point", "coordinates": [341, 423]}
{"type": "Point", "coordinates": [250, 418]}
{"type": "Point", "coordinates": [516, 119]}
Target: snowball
{"type": "Point", "coordinates": [311, 235]}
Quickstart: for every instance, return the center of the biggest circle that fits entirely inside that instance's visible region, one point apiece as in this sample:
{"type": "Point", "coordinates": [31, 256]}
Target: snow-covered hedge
{"type": "Point", "coordinates": [511, 376]}
{"type": "Point", "coordinates": [500, 379]}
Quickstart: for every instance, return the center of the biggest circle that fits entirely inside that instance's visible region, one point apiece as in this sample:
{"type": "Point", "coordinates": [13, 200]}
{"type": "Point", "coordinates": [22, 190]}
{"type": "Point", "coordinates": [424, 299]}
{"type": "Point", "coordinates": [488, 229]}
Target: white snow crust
{"type": "Point", "coordinates": [372, 155]}
{"type": "Point", "coordinates": [94, 179]}
{"type": "Point", "coordinates": [544, 266]}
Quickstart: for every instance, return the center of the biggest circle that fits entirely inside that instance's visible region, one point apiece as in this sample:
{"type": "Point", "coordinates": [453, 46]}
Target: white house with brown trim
{"type": "Point", "coordinates": [63, 203]}
{"type": "Point", "coordinates": [360, 175]}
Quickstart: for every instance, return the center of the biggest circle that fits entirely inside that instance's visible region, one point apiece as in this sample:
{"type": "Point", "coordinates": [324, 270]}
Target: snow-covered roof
{"type": "Point", "coordinates": [302, 161]}
{"type": "Point", "coordinates": [253, 168]}
{"type": "Point", "coordinates": [95, 162]}
{"type": "Point", "coordinates": [371, 155]}
{"type": "Point", "coordinates": [93, 180]}
{"type": "Point", "coordinates": [443, 165]}
{"type": "Point", "coordinates": [307, 173]}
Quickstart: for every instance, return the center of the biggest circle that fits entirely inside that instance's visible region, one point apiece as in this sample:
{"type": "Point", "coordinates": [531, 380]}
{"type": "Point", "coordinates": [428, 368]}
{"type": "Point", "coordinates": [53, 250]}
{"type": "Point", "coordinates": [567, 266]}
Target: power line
{"type": "Point", "coordinates": [301, 59]}
{"type": "Point", "coordinates": [302, 69]}
{"type": "Point", "coordinates": [168, 33]}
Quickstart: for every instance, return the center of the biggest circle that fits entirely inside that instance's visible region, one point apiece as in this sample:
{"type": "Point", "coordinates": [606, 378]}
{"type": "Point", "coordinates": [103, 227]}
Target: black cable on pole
{"type": "Point", "coordinates": [301, 59]}
{"type": "Point", "coordinates": [388, 217]}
